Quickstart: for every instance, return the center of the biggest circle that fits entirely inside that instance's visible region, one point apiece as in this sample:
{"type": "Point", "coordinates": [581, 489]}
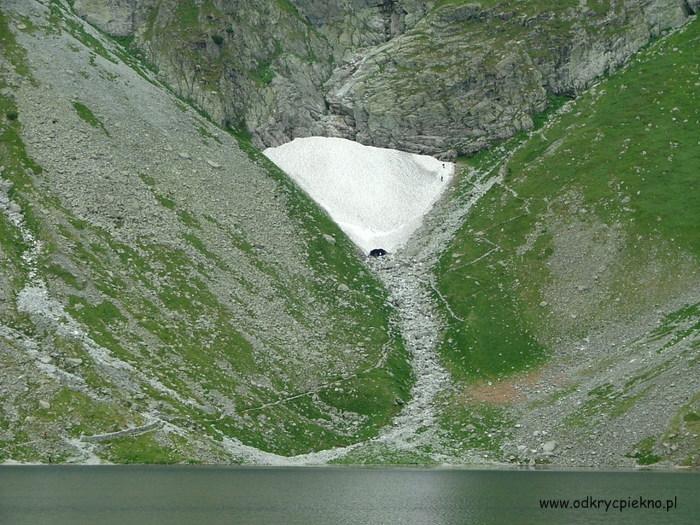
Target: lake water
{"type": "Point", "coordinates": [229, 495]}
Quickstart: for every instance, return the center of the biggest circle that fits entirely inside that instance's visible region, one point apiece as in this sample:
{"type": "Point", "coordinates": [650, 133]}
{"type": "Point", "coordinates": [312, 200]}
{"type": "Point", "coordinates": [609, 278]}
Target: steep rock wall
{"type": "Point", "coordinates": [437, 77]}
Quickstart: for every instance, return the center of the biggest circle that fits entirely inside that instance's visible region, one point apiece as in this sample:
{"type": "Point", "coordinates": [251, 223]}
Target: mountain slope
{"type": "Point", "coordinates": [161, 275]}
{"type": "Point", "coordinates": [168, 295]}
{"type": "Point", "coordinates": [572, 289]}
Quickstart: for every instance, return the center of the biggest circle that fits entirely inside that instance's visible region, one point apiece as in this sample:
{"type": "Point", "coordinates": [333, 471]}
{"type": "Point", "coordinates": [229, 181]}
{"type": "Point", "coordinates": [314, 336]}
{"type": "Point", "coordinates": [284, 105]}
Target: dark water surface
{"type": "Point", "coordinates": [230, 495]}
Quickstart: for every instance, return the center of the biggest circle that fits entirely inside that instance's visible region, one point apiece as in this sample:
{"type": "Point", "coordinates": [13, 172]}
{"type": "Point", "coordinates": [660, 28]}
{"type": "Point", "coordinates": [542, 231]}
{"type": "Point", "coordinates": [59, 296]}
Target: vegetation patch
{"type": "Point", "coordinates": [644, 452]}
{"type": "Point", "coordinates": [475, 426]}
{"type": "Point", "coordinates": [187, 13]}
{"type": "Point", "coordinates": [380, 454]}
{"type": "Point", "coordinates": [204, 132]}
{"type": "Point", "coordinates": [82, 415]}
{"type": "Point", "coordinates": [691, 417]}
{"type": "Point", "coordinates": [11, 49]}
{"type": "Point", "coordinates": [86, 114]}
{"type": "Point", "coordinates": [678, 325]}
{"type": "Point", "coordinates": [143, 449]}
{"type": "Point", "coordinates": [62, 17]}
{"type": "Point", "coordinates": [605, 401]}
{"type": "Point", "coordinates": [263, 74]}
{"type": "Point", "coordinates": [681, 441]}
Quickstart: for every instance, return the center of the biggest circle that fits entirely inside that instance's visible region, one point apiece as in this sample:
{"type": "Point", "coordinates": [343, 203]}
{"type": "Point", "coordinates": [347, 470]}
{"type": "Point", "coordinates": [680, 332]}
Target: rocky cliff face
{"type": "Point", "coordinates": [117, 17]}
{"type": "Point", "coordinates": [438, 77]}
{"type": "Point", "coordinates": [468, 75]}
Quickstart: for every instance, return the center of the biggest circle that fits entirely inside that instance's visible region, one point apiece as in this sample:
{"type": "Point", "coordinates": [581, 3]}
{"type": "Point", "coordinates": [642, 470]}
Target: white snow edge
{"type": "Point", "coordinates": [377, 196]}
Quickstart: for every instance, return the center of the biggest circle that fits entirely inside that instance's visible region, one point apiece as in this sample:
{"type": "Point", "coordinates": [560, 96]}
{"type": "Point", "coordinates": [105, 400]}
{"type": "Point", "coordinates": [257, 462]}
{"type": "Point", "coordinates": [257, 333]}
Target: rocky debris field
{"type": "Point", "coordinates": [164, 270]}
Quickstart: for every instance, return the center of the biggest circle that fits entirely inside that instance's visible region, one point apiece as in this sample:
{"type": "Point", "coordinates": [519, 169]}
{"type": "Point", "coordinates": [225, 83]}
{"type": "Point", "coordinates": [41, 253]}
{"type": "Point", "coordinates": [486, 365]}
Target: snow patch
{"type": "Point", "coordinates": [377, 196]}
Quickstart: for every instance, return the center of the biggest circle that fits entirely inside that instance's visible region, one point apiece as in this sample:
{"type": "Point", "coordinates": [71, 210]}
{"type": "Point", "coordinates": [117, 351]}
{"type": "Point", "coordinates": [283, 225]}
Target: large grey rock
{"type": "Point", "coordinates": [116, 17]}
{"type": "Point", "coordinates": [549, 447]}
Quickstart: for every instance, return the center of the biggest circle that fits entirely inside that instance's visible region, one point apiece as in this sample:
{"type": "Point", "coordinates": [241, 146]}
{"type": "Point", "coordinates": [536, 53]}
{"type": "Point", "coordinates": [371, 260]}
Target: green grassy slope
{"type": "Point", "coordinates": [592, 231]}
{"type": "Point", "coordinates": [623, 163]}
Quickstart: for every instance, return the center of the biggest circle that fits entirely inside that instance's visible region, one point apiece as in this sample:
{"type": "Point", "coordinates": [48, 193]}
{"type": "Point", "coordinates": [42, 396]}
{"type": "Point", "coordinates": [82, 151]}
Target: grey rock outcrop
{"type": "Point", "coordinates": [693, 6]}
{"type": "Point", "coordinates": [117, 17]}
{"type": "Point", "coordinates": [421, 76]}
{"type": "Point", "coordinates": [466, 76]}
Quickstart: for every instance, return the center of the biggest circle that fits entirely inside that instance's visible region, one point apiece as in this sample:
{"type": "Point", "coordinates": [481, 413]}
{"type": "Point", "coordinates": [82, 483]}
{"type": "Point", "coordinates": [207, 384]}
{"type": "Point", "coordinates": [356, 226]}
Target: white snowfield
{"type": "Point", "coordinates": [377, 196]}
